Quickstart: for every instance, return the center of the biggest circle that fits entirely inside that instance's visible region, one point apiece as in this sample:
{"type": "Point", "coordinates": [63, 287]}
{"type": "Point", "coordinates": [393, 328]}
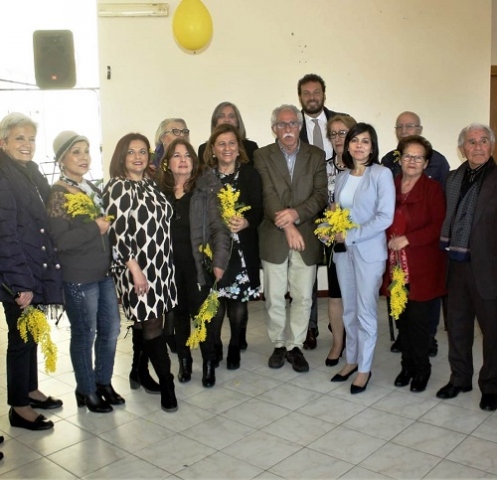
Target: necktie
{"type": "Point", "coordinates": [317, 136]}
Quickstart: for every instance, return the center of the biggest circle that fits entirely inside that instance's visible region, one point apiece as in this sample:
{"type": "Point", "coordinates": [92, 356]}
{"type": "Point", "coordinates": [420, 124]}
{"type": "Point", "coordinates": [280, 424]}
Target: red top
{"type": "Point", "coordinates": [419, 216]}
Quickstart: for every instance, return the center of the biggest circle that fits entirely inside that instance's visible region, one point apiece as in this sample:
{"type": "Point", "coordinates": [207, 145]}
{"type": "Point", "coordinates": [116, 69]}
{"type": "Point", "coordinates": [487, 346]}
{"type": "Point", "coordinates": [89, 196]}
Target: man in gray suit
{"type": "Point", "coordinates": [295, 190]}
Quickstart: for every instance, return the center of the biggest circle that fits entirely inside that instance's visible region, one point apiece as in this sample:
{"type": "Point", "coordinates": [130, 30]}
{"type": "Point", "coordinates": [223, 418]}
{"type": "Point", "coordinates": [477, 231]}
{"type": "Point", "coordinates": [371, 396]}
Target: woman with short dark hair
{"type": "Point", "coordinates": [413, 244]}
{"type": "Point", "coordinates": [366, 189]}
{"type": "Point", "coordinates": [142, 255]}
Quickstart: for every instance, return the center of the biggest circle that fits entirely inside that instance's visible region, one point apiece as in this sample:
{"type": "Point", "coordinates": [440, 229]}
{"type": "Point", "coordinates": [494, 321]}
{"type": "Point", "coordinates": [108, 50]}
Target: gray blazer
{"type": "Point", "coordinates": [307, 193]}
{"type": "Point", "coordinates": [373, 209]}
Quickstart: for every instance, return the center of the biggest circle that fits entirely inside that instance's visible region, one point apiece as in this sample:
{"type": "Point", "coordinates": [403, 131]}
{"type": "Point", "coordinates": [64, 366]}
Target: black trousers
{"type": "Point", "coordinates": [414, 335]}
{"type": "Point", "coordinates": [190, 298]}
{"type": "Point", "coordinates": [464, 302]}
{"type": "Point", "coordinates": [22, 360]}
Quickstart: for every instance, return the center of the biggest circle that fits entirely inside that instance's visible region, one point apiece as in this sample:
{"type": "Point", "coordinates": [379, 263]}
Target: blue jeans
{"type": "Point", "coordinates": [93, 311]}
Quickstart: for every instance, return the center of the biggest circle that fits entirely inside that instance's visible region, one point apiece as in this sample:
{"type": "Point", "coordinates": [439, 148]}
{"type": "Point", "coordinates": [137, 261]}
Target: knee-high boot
{"type": "Point", "coordinates": [139, 374]}
{"type": "Point", "coordinates": [157, 352]}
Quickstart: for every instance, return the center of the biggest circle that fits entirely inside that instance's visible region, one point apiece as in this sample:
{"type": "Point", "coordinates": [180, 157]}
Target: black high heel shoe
{"type": "Point", "coordinates": [40, 423]}
{"type": "Point", "coordinates": [94, 402]}
{"type": "Point", "coordinates": [331, 362]}
{"type": "Point", "coordinates": [356, 389]}
{"type": "Point", "coordinates": [109, 394]}
{"type": "Point", "coordinates": [343, 378]}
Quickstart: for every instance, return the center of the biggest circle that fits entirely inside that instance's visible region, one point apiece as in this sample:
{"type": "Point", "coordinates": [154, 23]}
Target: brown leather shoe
{"type": "Point", "coordinates": [310, 342]}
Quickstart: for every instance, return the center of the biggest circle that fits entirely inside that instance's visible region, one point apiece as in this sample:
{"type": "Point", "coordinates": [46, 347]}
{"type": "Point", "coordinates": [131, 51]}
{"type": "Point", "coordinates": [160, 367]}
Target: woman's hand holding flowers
{"type": "Point", "coordinates": [398, 243]}
{"type": "Point", "coordinates": [24, 299]}
{"type": "Point", "coordinates": [236, 224]}
{"type": "Point", "coordinates": [103, 224]}
{"type": "Point", "coordinates": [218, 273]}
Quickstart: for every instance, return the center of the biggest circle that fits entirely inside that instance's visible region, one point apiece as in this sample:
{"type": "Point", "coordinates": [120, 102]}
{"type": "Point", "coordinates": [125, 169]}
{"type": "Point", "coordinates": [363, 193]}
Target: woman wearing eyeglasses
{"type": "Point", "coordinates": [227, 112]}
{"type": "Point", "coordinates": [142, 255]}
{"type": "Point", "coordinates": [167, 131]}
{"type": "Point", "coordinates": [336, 131]}
{"type": "Point", "coordinates": [192, 190]}
{"type": "Point", "coordinates": [413, 244]}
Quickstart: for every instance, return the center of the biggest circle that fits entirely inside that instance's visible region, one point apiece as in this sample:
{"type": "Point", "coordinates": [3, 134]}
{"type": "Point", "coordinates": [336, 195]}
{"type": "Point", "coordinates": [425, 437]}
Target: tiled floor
{"type": "Point", "coordinates": [259, 423]}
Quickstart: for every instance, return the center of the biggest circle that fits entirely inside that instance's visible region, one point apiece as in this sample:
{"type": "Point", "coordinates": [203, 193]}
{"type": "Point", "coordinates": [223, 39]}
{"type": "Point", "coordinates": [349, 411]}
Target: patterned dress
{"type": "Point", "coordinates": [140, 230]}
{"type": "Point", "coordinates": [240, 290]}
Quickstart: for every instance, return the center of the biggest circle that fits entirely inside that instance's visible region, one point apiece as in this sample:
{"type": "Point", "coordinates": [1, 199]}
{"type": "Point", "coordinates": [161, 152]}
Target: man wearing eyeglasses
{"type": "Point", "coordinates": [408, 123]}
{"type": "Point", "coordinates": [295, 190]}
{"type": "Point", "coordinates": [312, 94]}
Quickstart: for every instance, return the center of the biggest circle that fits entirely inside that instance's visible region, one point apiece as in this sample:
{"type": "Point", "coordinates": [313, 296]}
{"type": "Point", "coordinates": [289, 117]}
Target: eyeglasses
{"type": "Point", "coordinates": [177, 132]}
{"type": "Point", "coordinates": [407, 126]}
{"type": "Point", "coordinates": [283, 125]}
{"type": "Point", "coordinates": [340, 133]}
{"type": "Point", "coordinates": [415, 158]}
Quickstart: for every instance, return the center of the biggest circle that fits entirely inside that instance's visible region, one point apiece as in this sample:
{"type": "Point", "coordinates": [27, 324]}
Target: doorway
{"type": "Point", "coordinates": [493, 98]}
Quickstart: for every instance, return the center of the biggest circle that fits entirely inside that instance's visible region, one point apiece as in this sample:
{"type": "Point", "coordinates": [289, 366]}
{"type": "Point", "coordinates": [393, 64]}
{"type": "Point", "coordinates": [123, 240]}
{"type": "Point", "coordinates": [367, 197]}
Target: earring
{"type": "Point", "coordinates": [164, 165]}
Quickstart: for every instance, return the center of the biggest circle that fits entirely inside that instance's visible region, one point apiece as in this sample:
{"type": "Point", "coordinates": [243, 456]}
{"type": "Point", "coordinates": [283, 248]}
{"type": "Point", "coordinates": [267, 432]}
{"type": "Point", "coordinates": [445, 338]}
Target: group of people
{"type": "Point", "coordinates": [155, 239]}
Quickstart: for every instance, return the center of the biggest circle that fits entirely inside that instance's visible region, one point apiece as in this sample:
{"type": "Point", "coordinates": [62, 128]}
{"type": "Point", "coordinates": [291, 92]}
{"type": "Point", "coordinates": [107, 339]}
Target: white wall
{"type": "Point", "coordinates": [378, 58]}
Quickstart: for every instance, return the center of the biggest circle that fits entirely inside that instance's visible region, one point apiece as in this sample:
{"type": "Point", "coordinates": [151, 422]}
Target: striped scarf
{"type": "Point", "coordinates": [456, 228]}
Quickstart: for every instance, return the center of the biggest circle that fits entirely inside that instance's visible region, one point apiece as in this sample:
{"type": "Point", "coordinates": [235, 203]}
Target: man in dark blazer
{"type": "Point", "coordinates": [312, 96]}
{"type": "Point", "coordinates": [469, 235]}
{"type": "Point", "coordinates": [294, 186]}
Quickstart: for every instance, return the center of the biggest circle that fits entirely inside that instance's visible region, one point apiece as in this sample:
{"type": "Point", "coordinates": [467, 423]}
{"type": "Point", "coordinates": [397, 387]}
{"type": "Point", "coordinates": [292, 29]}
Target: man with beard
{"type": "Point", "coordinates": [311, 90]}
{"type": "Point", "coordinates": [294, 186]}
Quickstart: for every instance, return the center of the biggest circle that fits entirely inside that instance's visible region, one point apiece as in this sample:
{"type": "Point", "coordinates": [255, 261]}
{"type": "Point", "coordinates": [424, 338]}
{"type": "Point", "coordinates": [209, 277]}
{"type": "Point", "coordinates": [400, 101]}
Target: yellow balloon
{"type": "Point", "coordinates": [192, 25]}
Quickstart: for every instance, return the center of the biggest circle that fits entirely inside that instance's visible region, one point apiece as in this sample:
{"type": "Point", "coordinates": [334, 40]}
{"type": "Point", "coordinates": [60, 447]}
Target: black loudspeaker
{"type": "Point", "coordinates": [55, 67]}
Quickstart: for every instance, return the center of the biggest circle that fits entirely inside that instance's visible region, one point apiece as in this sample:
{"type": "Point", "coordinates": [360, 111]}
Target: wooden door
{"type": "Point", "coordinates": [493, 98]}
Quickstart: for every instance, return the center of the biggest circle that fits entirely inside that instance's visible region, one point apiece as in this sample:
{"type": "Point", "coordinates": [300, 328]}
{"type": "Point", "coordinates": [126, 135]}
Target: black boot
{"type": "Point", "coordinates": [219, 353]}
{"type": "Point", "coordinates": [159, 357]}
{"type": "Point", "coordinates": [139, 374]}
{"type": "Point", "coordinates": [185, 369]}
{"type": "Point", "coordinates": [233, 358]}
{"type": "Point", "coordinates": [171, 341]}
{"type": "Point", "coordinates": [94, 402]}
{"type": "Point", "coordinates": [108, 393]}
{"type": "Point", "coordinates": [243, 339]}
{"type": "Point", "coordinates": [209, 374]}
{"type": "Point", "coordinates": [169, 332]}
